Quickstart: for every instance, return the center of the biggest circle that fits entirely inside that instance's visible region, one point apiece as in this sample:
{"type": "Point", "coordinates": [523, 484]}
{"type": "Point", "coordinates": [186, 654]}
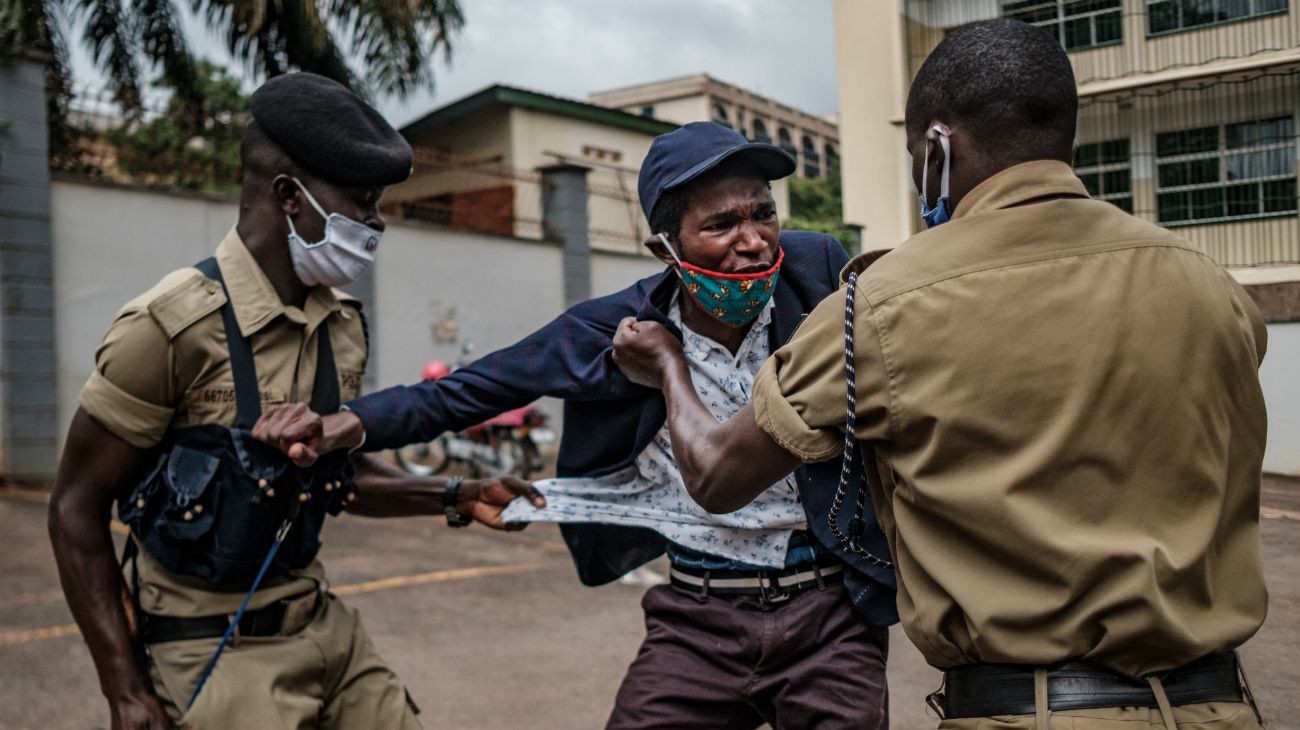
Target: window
{"type": "Point", "coordinates": [1106, 170]}
{"type": "Point", "coordinates": [1078, 24]}
{"type": "Point", "coordinates": [648, 111]}
{"type": "Point", "coordinates": [811, 160]}
{"type": "Point", "coordinates": [783, 139]}
{"type": "Point", "coordinates": [601, 153]}
{"type": "Point", "coordinates": [760, 132]}
{"type": "Point", "coordinates": [1243, 170]}
{"type": "Point", "coordinates": [720, 115]}
{"type": "Point", "coordinates": [1170, 16]}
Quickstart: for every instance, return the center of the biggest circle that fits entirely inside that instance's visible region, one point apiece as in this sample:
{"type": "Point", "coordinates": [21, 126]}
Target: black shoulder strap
{"type": "Point", "coordinates": [247, 392]}
{"type": "Point", "coordinates": [325, 389]}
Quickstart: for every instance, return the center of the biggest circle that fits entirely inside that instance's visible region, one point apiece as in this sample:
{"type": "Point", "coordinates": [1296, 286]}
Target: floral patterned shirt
{"type": "Point", "coordinates": [650, 493]}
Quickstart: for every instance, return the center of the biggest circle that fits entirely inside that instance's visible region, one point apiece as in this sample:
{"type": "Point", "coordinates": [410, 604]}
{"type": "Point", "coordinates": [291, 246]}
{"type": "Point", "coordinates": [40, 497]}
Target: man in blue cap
{"type": "Point", "coordinates": [767, 618]}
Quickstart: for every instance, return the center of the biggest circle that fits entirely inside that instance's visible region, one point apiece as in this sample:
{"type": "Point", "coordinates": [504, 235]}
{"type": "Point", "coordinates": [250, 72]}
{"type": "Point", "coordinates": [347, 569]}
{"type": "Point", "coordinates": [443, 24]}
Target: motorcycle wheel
{"type": "Point", "coordinates": [423, 460]}
{"type": "Point", "coordinates": [518, 457]}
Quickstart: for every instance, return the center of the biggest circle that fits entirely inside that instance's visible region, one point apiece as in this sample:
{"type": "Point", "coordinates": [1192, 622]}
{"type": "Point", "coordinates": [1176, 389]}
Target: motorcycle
{"type": "Point", "coordinates": [506, 444]}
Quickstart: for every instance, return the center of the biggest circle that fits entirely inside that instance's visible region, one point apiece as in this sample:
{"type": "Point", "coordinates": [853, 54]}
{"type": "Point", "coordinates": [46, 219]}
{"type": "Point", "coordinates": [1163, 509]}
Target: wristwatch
{"type": "Point", "coordinates": [450, 500]}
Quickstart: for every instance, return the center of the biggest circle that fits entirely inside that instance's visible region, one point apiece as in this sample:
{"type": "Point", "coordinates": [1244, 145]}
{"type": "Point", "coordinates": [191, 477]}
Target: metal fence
{"type": "Point", "coordinates": [485, 194]}
{"type": "Point", "coordinates": [159, 145]}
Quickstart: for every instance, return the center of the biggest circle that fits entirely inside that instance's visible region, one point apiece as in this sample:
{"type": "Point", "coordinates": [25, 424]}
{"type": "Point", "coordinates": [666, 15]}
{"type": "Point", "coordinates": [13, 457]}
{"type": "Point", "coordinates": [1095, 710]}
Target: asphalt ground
{"type": "Point", "coordinates": [493, 630]}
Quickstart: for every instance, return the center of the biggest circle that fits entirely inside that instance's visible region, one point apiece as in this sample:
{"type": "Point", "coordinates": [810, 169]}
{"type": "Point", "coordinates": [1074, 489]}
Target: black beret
{"type": "Point", "coordinates": [330, 131]}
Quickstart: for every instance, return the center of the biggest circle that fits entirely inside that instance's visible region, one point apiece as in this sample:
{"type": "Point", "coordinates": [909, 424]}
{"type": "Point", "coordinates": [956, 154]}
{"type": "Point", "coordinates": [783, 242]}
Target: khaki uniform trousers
{"type": "Point", "coordinates": [1203, 716]}
{"type": "Point", "coordinates": [328, 676]}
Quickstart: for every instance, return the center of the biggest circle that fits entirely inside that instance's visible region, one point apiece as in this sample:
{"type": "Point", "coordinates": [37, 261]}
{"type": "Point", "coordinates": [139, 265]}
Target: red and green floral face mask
{"type": "Point", "coordinates": [732, 299]}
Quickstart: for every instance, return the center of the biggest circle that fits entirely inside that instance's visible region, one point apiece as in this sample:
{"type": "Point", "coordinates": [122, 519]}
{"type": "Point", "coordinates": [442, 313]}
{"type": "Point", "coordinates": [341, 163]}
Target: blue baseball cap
{"type": "Point", "coordinates": [680, 156]}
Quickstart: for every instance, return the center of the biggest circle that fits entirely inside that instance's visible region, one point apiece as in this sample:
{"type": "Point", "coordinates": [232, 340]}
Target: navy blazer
{"type": "Point", "coordinates": [608, 420]}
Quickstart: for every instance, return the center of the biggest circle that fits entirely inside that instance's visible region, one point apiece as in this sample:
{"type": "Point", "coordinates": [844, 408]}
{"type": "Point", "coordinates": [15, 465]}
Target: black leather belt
{"type": "Point", "coordinates": [772, 585]}
{"type": "Point", "coordinates": [268, 621]}
{"type": "Point", "coordinates": [985, 690]}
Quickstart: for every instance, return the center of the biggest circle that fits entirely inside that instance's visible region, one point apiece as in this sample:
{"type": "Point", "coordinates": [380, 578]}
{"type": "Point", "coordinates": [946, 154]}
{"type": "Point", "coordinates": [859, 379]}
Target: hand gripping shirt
{"type": "Point", "coordinates": [650, 493]}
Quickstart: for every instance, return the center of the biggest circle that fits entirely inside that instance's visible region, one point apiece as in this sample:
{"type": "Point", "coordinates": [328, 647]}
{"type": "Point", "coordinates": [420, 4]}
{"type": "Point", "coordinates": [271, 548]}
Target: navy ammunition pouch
{"type": "Point", "coordinates": [211, 498]}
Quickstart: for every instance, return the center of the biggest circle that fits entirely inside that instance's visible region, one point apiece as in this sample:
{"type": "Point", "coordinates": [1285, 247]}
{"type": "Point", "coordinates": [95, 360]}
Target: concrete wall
{"type": "Point", "coordinates": [872, 90]}
{"type": "Point", "coordinates": [1282, 393]}
{"type": "Point", "coordinates": [27, 360]}
{"type": "Point", "coordinates": [433, 288]}
{"type": "Point", "coordinates": [614, 215]}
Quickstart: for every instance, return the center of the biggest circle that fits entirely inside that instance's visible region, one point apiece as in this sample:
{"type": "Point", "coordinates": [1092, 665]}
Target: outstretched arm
{"type": "Point", "coordinates": [567, 359]}
{"type": "Point", "coordinates": [386, 491]}
{"type": "Point", "coordinates": [724, 465]}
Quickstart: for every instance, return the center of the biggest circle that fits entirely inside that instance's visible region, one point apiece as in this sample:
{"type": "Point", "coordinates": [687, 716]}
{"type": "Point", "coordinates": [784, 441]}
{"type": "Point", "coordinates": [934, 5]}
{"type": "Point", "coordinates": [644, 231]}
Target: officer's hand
{"type": "Point", "coordinates": [645, 351]}
{"type": "Point", "coordinates": [484, 499]}
{"type": "Point", "coordinates": [140, 711]}
{"type": "Point", "coordinates": [293, 429]}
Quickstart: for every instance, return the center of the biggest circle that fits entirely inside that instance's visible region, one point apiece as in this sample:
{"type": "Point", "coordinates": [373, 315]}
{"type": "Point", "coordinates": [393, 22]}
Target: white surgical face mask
{"type": "Point", "coordinates": [340, 257]}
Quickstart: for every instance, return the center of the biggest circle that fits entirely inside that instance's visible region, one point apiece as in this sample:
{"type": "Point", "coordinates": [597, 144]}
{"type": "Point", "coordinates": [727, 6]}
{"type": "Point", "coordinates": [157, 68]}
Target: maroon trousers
{"type": "Point", "coordinates": [733, 663]}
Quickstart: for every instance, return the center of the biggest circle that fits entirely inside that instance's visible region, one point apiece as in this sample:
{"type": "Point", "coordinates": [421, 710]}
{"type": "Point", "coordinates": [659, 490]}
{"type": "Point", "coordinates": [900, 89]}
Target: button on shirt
{"type": "Point", "coordinates": [651, 492]}
{"type": "Point", "coordinates": [1063, 404]}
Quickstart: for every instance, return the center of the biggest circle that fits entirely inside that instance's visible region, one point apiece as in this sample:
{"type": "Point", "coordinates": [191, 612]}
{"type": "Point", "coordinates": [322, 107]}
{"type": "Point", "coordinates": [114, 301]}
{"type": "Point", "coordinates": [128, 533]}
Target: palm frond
{"type": "Point", "coordinates": [396, 39]}
{"type": "Point", "coordinates": [163, 42]}
{"type": "Point", "coordinates": [110, 42]}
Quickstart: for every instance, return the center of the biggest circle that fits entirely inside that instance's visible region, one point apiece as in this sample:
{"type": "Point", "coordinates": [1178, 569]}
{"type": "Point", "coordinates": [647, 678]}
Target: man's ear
{"type": "Point", "coordinates": [934, 154]}
{"type": "Point", "coordinates": [286, 194]}
{"type": "Point", "coordinates": [656, 246]}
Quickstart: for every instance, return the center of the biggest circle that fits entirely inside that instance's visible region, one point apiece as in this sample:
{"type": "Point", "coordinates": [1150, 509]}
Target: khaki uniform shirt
{"type": "Point", "coordinates": [164, 364]}
{"type": "Point", "coordinates": [1062, 405]}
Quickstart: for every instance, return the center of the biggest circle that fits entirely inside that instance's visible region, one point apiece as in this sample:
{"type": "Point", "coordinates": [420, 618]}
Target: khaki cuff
{"type": "Point", "coordinates": [137, 422]}
{"type": "Point", "coordinates": [783, 423]}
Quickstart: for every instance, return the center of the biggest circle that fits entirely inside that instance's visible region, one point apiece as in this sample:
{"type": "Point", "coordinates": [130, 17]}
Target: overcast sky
{"type": "Point", "coordinates": [783, 49]}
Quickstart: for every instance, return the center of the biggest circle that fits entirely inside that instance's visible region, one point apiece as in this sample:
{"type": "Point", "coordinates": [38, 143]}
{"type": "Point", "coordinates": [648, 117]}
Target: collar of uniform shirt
{"type": "Point", "coordinates": [255, 301]}
{"type": "Point", "coordinates": [1020, 184]}
{"type": "Point", "coordinates": [1013, 186]}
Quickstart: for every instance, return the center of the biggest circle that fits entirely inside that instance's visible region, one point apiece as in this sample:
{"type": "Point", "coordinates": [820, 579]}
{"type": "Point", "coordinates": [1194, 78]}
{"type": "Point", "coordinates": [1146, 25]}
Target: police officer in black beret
{"type": "Point", "coordinates": [219, 616]}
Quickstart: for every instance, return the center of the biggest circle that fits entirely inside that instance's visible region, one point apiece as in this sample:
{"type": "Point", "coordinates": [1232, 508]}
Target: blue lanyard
{"type": "Point", "coordinates": [234, 622]}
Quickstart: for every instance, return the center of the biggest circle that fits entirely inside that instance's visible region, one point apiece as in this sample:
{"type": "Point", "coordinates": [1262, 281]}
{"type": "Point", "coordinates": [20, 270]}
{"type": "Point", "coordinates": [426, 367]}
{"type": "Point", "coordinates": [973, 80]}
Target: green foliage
{"type": "Point", "coordinates": [847, 237]}
{"type": "Point", "coordinates": [816, 204]}
{"type": "Point", "coordinates": [372, 46]}
{"type": "Point", "coordinates": [193, 144]}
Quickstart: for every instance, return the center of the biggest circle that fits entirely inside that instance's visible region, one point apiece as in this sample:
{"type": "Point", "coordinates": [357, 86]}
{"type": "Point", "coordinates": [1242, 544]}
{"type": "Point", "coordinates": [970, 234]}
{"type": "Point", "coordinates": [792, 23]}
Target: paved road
{"type": "Point", "coordinates": [493, 631]}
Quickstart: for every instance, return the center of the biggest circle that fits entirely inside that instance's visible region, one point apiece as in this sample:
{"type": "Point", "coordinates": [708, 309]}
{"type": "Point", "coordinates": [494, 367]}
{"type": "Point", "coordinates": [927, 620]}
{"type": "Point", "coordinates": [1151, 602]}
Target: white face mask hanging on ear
{"type": "Point", "coordinates": [942, 211]}
{"type": "Point", "coordinates": [340, 257]}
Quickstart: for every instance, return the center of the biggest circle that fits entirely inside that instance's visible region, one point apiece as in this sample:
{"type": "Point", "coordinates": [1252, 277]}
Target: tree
{"type": "Point", "coordinates": [392, 42]}
{"type": "Point", "coordinates": [181, 148]}
{"type": "Point", "coordinates": [816, 204]}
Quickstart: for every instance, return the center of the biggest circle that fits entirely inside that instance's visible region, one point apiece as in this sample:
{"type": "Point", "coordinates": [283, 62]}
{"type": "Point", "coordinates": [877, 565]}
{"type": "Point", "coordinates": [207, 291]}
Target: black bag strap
{"type": "Point", "coordinates": [248, 403]}
{"type": "Point", "coordinates": [852, 456]}
{"type": "Point", "coordinates": [325, 390]}
{"type": "Point", "coordinates": [247, 392]}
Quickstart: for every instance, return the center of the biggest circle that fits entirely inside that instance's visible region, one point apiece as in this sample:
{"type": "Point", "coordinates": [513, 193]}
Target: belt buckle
{"type": "Point", "coordinates": [772, 591]}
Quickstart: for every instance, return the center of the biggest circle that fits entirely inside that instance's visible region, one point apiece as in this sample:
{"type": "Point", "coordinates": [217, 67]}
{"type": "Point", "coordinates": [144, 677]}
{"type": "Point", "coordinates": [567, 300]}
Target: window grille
{"type": "Point", "coordinates": [1107, 171]}
{"type": "Point", "coordinates": [1234, 171]}
{"type": "Point", "coordinates": [1078, 24]}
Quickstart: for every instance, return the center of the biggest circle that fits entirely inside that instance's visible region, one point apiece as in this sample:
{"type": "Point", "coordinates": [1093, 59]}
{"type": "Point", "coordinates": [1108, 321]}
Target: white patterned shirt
{"type": "Point", "coordinates": [650, 493]}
